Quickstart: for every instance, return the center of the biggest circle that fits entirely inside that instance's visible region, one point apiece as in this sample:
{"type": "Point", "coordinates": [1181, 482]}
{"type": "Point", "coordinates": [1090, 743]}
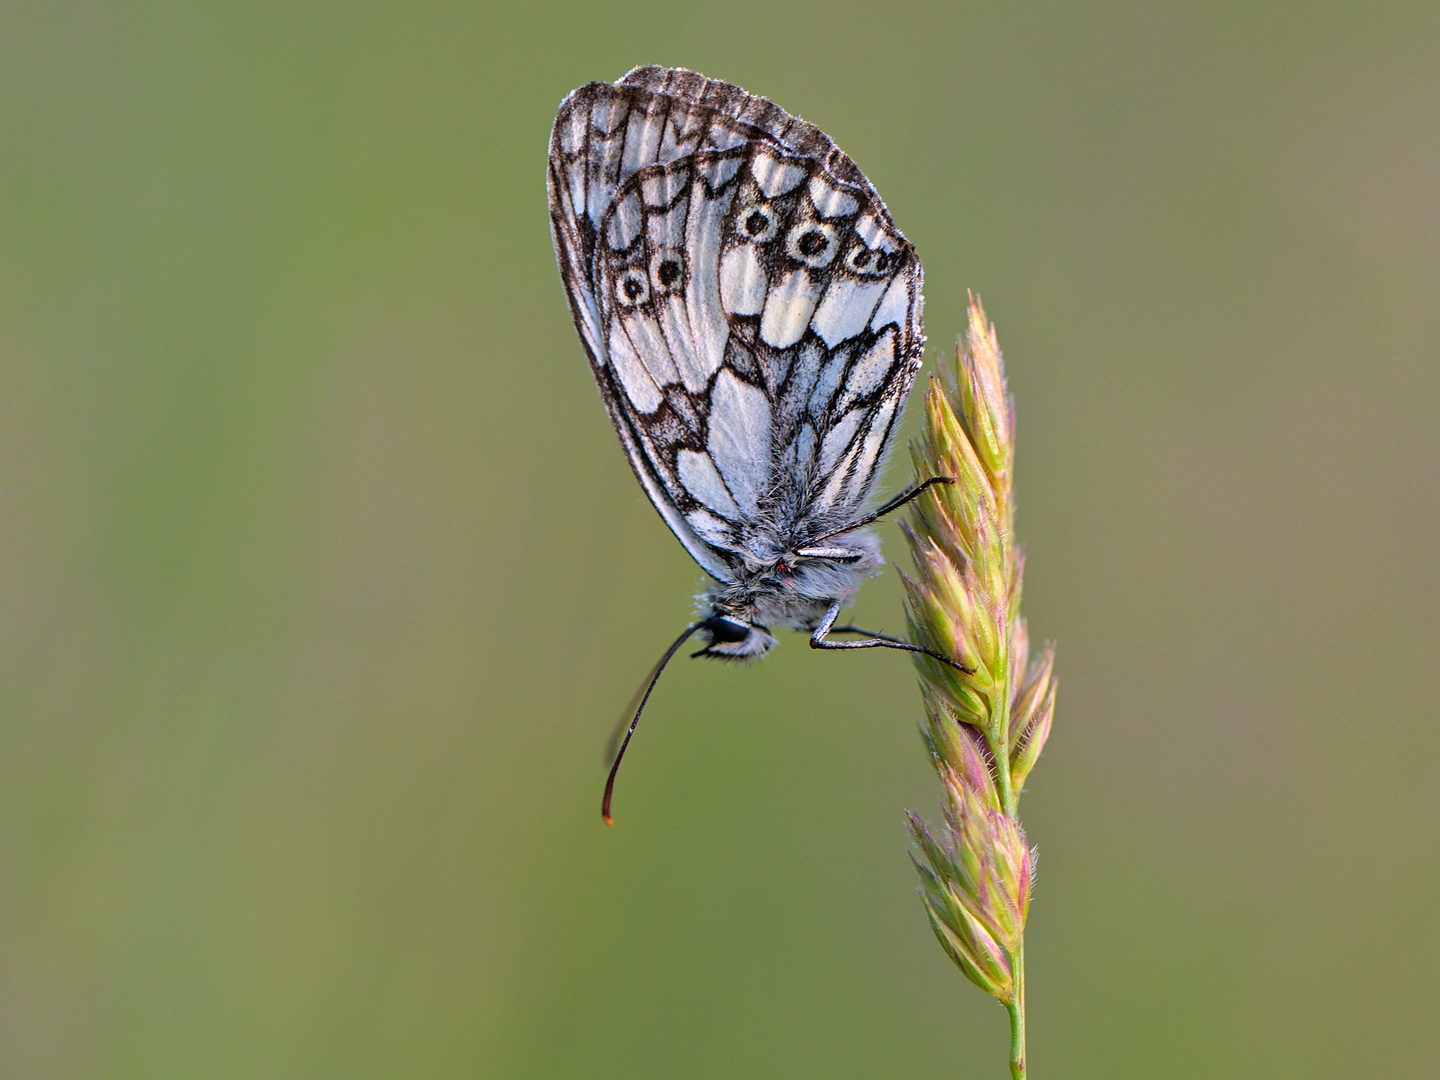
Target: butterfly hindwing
{"type": "Point", "coordinates": [751, 314]}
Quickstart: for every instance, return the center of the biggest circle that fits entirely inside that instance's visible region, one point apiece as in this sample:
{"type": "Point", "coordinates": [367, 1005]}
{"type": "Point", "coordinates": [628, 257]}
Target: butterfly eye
{"type": "Point", "coordinates": [632, 288]}
{"type": "Point", "coordinates": [812, 243]}
{"type": "Point", "coordinates": [727, 631]}
{"type": "Point", "coordinates": [667, 271]}
{"type": "Point", "coordinates": [758, 224]}
{"type": "Point", "coordinates": [861, 260]}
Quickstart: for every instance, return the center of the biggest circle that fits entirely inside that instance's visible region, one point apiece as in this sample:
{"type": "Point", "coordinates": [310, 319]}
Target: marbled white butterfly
{"type": "Point", "coordinates": [752, 318]}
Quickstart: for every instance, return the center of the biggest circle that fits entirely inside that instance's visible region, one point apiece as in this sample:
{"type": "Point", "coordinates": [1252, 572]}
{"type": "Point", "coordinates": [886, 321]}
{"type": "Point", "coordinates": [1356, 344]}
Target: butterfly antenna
{"type": "Point", "coordinates": [634, 720]}
{"type": "Point", "coordinates": [622, 723]}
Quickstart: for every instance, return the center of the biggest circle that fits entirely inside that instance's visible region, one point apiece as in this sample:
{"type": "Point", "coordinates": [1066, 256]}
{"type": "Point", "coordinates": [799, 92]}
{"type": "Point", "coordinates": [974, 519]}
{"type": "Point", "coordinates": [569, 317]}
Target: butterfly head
{"type": "Point", "coordinates": [732, 637]}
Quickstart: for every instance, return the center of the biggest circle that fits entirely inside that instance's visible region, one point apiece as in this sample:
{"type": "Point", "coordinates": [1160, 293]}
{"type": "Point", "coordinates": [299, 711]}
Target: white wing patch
{"type": "Point", "coordinates": [894, 306]}
{"type": "Point", "coordinates": [870, 450]}
{"type": "Point", "coordinates": [788, 307]}
{"type": "Point", "coordinates": [742, 281]}
{"type": "Point", "coordinates": [643, 135]}
{"type": "Point", "coordinates": [718, 172]}
{"type": "Point", "coordinates": [702, 480]}
{"type": "Point", "coordinates": [831, 201]}
{"type": "Point", "coordinates": [639, 387]}
{"type": "Point", "coordinates": [660, 189]}
{"type": "Point", "coordinates": [739, 441]}
{"type": "Point", "coordinates": [704, 302]}
{"type": "Point", "coordinates": [873, 231]}
{"type": "Point", "coordinates": [846, 309]}
{"type": "Point", "coordinates": [710, 528]}
{"type": "Point", "coordinates": [825, 387]}
{"type": "Point", "coordinates": [870, 370]}
{"type": "Point", "coordinates": [606, 145]}
{"type": "Point", "coordinates": [649, 342]}
{"type": "Point", "coordinates": [625, 223]}
{"type": "Point", "coordinates": [838, 438]}
{"type": "Point", "coordinates": [776, 177]}
{"type": "Point", "coordinates": [724, 136]}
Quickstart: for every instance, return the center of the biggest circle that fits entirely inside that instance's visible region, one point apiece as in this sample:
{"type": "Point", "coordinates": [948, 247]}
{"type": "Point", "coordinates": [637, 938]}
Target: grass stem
{"type": "Point", "coordinates": [1016, 1009]}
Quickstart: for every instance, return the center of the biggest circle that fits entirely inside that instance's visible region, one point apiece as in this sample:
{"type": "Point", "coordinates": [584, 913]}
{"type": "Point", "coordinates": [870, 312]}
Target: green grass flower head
{"type": "Point", "coordinates": [984, 728]}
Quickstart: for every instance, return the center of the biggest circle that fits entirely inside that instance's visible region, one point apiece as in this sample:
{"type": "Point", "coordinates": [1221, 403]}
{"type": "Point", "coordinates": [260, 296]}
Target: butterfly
{"type": "Point", "coordinates": [752, 318]}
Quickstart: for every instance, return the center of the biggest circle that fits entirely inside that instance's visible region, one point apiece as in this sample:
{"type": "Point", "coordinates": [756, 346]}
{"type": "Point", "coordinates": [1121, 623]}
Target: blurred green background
{"type": "Point", "coordinates": [322, 577]}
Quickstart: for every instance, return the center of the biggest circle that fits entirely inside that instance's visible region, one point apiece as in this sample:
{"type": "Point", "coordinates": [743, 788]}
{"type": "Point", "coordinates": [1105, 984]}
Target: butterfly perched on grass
{"type": "Point", "coordinates": [752, 318]}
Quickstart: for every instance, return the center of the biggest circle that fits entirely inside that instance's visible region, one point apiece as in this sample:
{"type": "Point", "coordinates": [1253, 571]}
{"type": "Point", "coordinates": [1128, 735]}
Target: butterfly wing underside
{"type": "Point", "coordinates": [750, 312]}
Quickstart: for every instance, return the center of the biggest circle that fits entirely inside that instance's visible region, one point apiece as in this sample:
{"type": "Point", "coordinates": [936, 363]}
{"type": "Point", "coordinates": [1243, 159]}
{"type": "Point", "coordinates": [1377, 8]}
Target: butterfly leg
{"type": "Point", "coordinates": [889, 508]}
{"type": "Point", "coordinates": [818, 640]}
{"type": "Point", "coordinates": [850, 628]}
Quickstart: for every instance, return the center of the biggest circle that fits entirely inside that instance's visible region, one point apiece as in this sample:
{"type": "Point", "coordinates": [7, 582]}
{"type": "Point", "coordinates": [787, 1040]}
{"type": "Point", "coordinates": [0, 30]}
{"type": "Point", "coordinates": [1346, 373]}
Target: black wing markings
{"type": "Point", "coordinates": [854, 394]}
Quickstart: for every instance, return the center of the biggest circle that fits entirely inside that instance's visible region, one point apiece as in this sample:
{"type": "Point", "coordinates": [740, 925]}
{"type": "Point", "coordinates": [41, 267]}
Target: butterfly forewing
{"type": "Point", "coordinates": [751, 313]}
